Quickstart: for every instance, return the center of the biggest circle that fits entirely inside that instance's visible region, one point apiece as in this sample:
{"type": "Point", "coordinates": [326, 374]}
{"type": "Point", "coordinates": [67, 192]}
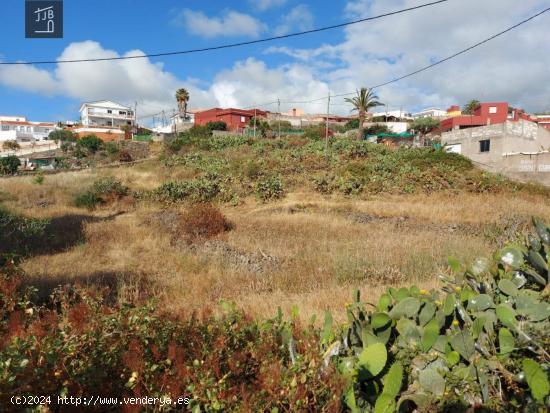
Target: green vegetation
{"type": "Point", "coordinates": [90, 143]}
{"type": "Point", "coordinates": [18, 234]}
{"type": "Point", "coordinates": [218, 125]}
{"type": "Point", "coordinates": [478, 342]}
{"type": "Point", "coordinates": [365, 100]}
{"type": "Point", "coordinates": [9, 165]}
{"type": "Point", "coordinates": [102, 191]}
{"type": "Point", "coordinates": [231, 167]}
{"type": "Point", "coordinates": [470, 107]}
{"type": "Point", "coordinates": [62, 135]}
{"type": "Point", "coordinates": [424, 125]}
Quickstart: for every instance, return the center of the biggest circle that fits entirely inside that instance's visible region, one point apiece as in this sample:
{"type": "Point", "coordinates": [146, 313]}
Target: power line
{"type": "Point", "coordinates": [230, 45]}
{"type": "Point", "coordinates": [446, 59]}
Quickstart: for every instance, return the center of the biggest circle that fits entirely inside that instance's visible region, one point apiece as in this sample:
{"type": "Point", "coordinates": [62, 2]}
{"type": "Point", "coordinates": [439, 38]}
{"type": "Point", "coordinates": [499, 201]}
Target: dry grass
{"type": "Point", "coordinates": [317, 249]}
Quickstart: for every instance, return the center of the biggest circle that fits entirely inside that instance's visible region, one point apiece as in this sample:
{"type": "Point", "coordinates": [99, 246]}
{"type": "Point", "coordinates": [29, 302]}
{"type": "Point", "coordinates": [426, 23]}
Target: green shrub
{"type": "Point", "coordinates": [9, 165]}
{"type": "Point", "coordinates": [38, 179]}
{"type": "Point", "coordinates": [18, 235]}
{"type": "Point", "coordinates": [269, 188]}
{"type": "Point", "coordinates": [87, 199]}
{"type": "Point", "coordinates": [91, 143]}
{"type": "Point", "coordinates": [103, 190]}
{"type": "Point", "coordinates": [112, 148]}
{"type": "Point", "coordinates": [203, 189]}
{"type": "Point", "coordinates": [218, 125]}
{"type": "Point", "coordinates": [62, 135]}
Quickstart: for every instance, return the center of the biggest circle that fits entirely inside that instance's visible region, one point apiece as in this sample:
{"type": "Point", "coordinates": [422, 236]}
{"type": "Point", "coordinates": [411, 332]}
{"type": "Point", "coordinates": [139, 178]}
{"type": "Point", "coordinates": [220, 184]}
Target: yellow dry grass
{"type": "Point", "coordinates": [322, 251]}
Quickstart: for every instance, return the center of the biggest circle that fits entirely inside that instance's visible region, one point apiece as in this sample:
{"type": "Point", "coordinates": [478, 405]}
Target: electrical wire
{"type": "Point", "coordinates": [230, 45]}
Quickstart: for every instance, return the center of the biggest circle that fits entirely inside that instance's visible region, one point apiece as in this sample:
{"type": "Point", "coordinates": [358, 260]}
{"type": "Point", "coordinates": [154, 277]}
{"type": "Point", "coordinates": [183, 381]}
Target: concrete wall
{"type": "Point", "coordinates": [506, 138]}
{"type": "Point", "coordinates": [524, 167]}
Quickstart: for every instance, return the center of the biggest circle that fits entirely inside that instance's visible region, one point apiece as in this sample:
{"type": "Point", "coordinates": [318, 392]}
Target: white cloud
{"type": "Point", "coordinates": [230, 23]}
{"type": "Point", "coordinates": [511, 68]}
{"type": "Point", "coordinates": [28, 78]}
{"type": "Point", "coordinates": [125, 81]}
{"type": "Point", "coordinates": [299, 18]}
{"type": "Point", "coordinates": [267, 4]}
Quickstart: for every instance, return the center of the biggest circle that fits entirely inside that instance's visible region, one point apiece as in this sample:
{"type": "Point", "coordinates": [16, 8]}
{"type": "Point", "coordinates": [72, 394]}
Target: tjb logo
{"type": "Point", "coordinates": [44, 19]}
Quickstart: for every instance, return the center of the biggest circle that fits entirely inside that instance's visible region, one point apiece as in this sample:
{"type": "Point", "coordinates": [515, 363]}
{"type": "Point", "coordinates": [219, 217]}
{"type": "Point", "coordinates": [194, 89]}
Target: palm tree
{"type": "Point", "coordinates": [365, 99]}
{"type": "Point", "coordinates": [182, 96]}
{"type": "Point", "coordinates": [470, 107]}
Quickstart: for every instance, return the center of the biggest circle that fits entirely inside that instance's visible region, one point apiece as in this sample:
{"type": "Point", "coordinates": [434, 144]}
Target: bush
{"type": "Point", "coordinates": [103, 190]}
{"type": "Point", "coordinates": [18, 235]}
{"type": "Point", "coordinates": [202, 189]}
{"type": "Point", "coordinates": [9, 165]}
{"type": "Point", "coordinates": [269, 188]}
{"type": "Point", "coordinates": [38, 179]}
{"type": "Point", "coordinates": [78, 344]}
{"type": "Point", "coordinates": [91, 143]}
{"type": "Point", "coordinates": [11, 145]}
{"type": "Point", "coordinates": [218, 125]}
{"type": "Point", "coordinates": [62, 135]}
{"type": "Point", "coordinates": [203, 221]}
{"type": "Point", "coordinates": [112, 148]}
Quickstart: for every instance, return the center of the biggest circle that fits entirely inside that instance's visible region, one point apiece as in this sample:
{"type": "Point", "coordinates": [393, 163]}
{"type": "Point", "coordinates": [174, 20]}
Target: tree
{"type": "Point", "coordinates": [9, 165]}
{"type": "Point", "coordinates": [365, 100]}
{"type": "Point", "coordinates": [91, 142]}
{"type": "Point", "coordinates": [218, 125]}
{"type": "Point", "coordinates": [182, 97]}
{"type": "Point", "coordinates": [62, 135]}
{"type": "Point", "coordinates": [470, 107]}
{"type": "Point", "coordinates": [262, 126]}
{"type": "Point", "coordinates": [11, 145]}
{"type": "Point", "coordinates": [352, 124]}
{"type": "Point", "coordinates": [424, 125]}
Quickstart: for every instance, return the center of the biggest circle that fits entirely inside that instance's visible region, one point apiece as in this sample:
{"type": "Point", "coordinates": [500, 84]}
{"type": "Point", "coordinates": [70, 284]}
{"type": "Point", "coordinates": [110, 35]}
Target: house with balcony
{"type": "Point", "coordinates": [106, 114]}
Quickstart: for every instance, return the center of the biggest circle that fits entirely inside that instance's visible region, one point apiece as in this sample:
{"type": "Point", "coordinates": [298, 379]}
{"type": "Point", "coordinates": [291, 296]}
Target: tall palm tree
{"type": "Point", "coordinates": [182, 97]}
{"type": "Point", "coordinates": [365, 100]}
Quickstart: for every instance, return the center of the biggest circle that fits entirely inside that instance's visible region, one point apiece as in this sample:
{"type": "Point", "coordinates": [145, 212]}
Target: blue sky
{"type": "Point", "coordinates": [512, 68]}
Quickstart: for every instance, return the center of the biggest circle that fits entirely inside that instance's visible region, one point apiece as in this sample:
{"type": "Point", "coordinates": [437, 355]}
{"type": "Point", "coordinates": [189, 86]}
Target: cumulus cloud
{"type": "Point", "coordinates": [510, 68]}
{"type": "Point", "coordinates": [124, 81]}
{"type": "Point", "coordinates": [266, 4]}
{"type": "Point", "coordinates": [230, 23]}
{"type": "Point", "coordinates": [299, 18]}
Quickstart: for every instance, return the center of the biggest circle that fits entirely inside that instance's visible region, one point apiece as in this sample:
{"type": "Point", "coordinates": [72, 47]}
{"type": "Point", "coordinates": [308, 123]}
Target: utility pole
{"type": "Point", "coordinates": [255, 121]}
{"type": "Point", "coordinates": [326, 126]}
{"type": "Point", "coordinates": [135, 117]}
{"type": "Point", "coordinates": [279, 115]}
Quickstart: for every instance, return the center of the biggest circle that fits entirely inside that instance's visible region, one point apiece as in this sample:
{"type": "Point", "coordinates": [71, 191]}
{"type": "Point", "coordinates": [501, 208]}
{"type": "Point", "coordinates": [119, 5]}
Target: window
{"type": "Point", "coordinates": [485, 145]}
{"type": "Point", "coordinates": [243, 119]}
{"type": "Point", "coordinates": [492, 109]}
{"type": "Point", "coordinates": [120, 112]}
{"type": "Point", "coordinates": [109, 111]}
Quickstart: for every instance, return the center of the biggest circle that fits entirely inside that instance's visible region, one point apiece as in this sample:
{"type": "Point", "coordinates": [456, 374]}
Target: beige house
{"type": "Point", "coordinates": [517, 149]}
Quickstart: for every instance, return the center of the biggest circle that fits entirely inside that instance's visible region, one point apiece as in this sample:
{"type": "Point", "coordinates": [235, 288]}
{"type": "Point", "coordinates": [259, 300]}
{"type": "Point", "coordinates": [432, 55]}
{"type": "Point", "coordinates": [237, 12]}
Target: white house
{"type": "Point", "coordinates": [430, 113]}
{"type": "Point", "coordinates": [105, 113]}
{"type": "Point", "coordinates": [18, 128]}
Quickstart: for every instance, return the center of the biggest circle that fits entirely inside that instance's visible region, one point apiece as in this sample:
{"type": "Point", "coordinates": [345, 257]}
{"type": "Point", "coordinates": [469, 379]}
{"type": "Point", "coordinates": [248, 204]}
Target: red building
{"type": "Point", "coordinates": [235, 119]}
{"type": "Point", "coordinates": [485, 114]}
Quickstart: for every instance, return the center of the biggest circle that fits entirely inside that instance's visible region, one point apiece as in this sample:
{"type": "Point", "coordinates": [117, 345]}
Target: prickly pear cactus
{"type": "Point", "coordinates": [482, 339]}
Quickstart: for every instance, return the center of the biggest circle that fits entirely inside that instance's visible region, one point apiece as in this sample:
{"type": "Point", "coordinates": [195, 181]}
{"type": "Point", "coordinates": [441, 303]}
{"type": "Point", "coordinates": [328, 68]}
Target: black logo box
{"type": "Point", "coordinates": [44, 19]}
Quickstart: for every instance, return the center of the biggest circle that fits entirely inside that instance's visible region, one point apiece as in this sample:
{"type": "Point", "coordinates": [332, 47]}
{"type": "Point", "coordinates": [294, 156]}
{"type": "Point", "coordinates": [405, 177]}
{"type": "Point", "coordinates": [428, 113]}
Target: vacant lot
{"type": "Point", "coordinates": [305, 230]}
